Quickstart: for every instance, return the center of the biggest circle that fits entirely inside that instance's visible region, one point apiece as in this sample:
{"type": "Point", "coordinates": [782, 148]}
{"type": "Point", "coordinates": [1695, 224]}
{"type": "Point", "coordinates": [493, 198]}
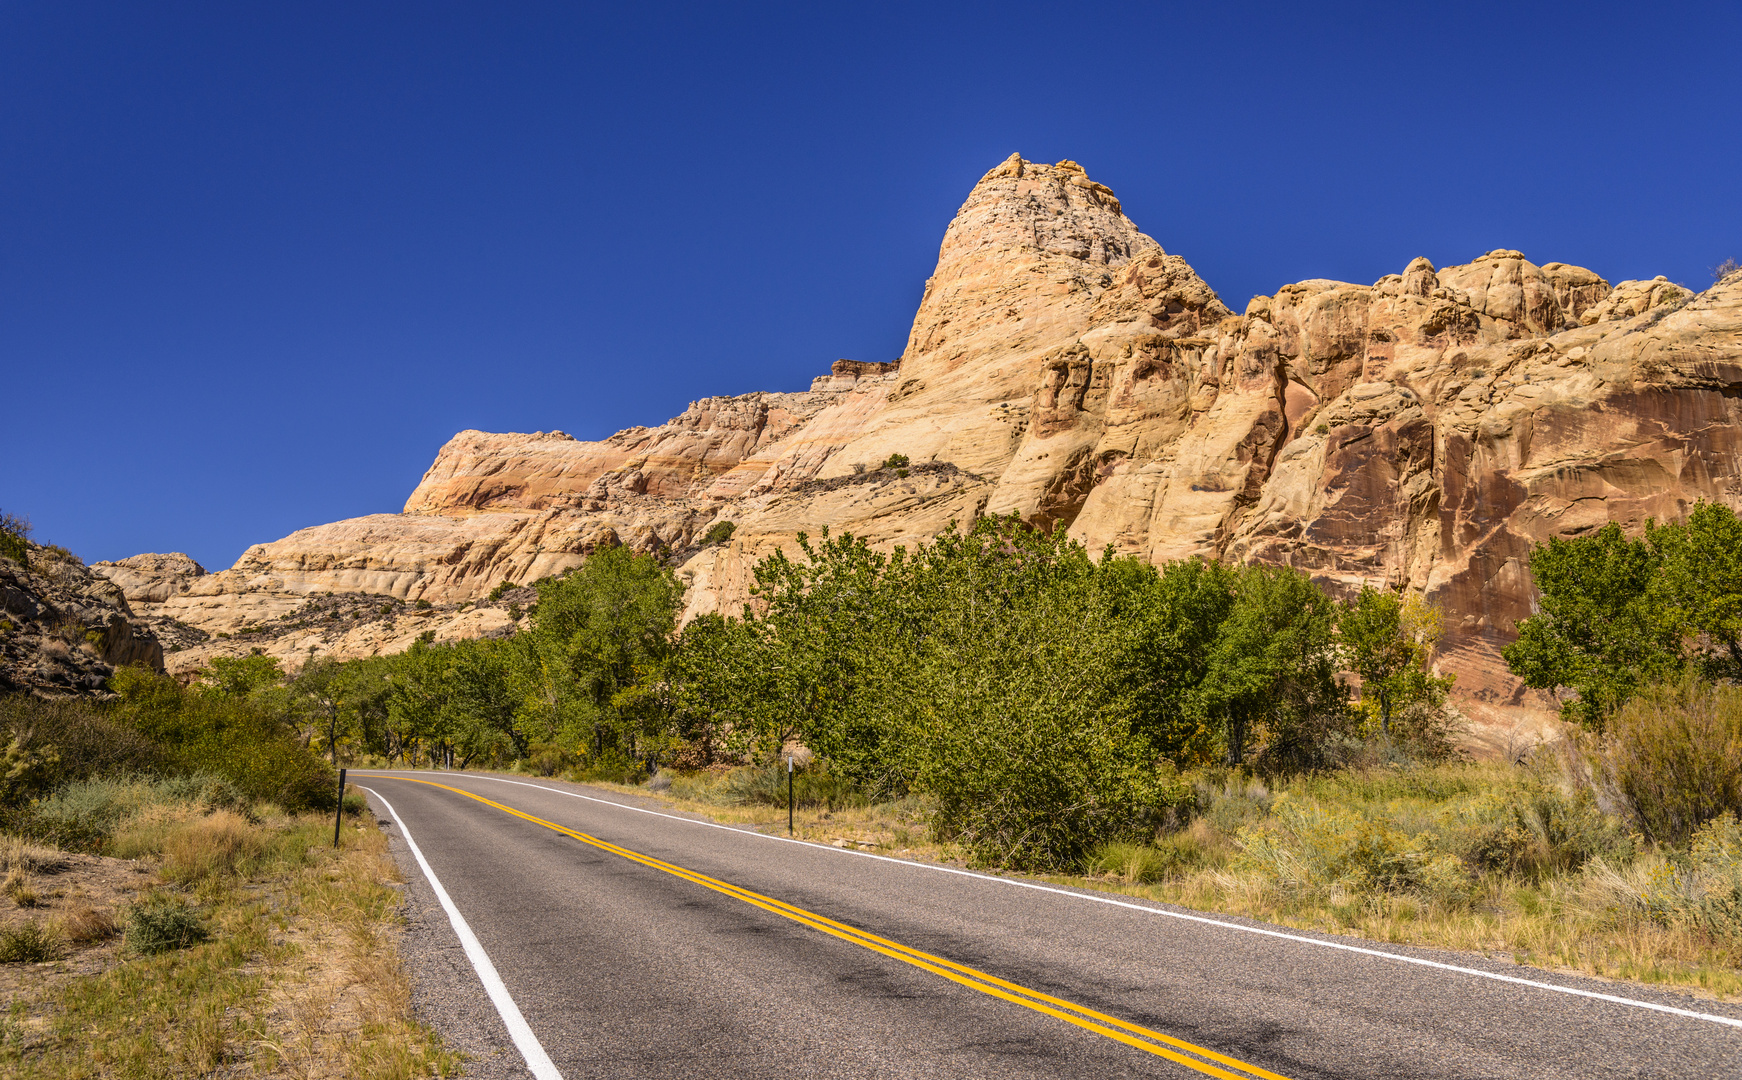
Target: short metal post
{"type": "Point", "coordinates": [789, 795]}
{"type": "Point", "coordinates": [339, 813]}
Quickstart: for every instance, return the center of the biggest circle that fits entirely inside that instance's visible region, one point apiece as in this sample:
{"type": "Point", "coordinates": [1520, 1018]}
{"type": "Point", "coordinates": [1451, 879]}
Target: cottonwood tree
{"type": "Point", "coordinates": [1388, 639]}
{"type": "Point", "coordinates": [599, 631]}
{"type": "Point", "coordinates": [1273, 665]}
{"type": "Point", "coordinates": [1699, 580]}
{"type": "Point", "coordinates": [1601, 629]}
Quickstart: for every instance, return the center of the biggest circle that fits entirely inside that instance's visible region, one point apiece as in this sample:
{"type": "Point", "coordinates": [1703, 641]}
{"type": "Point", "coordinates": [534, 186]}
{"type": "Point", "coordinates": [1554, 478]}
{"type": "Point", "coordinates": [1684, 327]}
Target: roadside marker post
{"type": "Point", "coordinates": [339, 811]}
{"type": "Point", "coordinates": [789, 794]}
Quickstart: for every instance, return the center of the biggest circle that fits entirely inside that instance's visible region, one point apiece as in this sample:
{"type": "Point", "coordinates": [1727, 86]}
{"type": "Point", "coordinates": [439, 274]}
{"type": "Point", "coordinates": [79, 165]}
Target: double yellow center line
{"type": "Point", "coordinates": [1198, 1058]}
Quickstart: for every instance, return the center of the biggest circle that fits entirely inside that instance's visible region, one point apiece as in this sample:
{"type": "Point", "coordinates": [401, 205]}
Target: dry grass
{"type": "Point", "coordinates": [299, 975]}
{"type": "Point", "coordinates": [19, 888]}
{"type": "Point", "coordinates": [1542, 907]}
{"type": "Point", "coordinates": [18, 854]}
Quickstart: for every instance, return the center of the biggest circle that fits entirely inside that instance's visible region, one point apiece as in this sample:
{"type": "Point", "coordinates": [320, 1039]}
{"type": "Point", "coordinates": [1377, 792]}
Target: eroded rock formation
{"type": "Point", "coordinates": [64, 629]}
{"type": "Point", "coordinates": [1424, 430]}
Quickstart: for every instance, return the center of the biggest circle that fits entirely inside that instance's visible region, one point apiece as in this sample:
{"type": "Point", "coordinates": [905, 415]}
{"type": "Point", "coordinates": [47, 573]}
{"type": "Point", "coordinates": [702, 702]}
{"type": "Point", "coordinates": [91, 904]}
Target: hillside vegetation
{"type": "Point", "coordinates": [1226, 737]}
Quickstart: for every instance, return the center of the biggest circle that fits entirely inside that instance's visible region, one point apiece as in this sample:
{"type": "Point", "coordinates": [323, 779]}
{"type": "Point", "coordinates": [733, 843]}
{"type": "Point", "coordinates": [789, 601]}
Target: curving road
{"type": "Point", "coordinates": [620, 942]}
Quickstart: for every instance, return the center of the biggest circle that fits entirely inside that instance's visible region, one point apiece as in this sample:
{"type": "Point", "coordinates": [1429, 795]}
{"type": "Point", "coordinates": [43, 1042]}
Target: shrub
{"type": "Point", "coordinates": [88, 926]}
{"type": "Point", "coordinates": [162, 922]}
{"type": "Point", "coordinates": [813, 785]}
{"type": "Point", "coordinates": [720, 533]}
{"type": "Point", "coordinates": [217, 846]}
{"type": "Point", "coordinates": [90, 810]}
{"type": "Point", "coordinates": [1137, 864]}
{"type": "Point", "coordinates": [547, 759]}
{"type": "Point", "coordinates": [894, 461]}
{"type": "Point", "coordinates": [1309, 847]}
{"type": "Point", "coordinates": [229, 736]}
{"type": "Point", "coordinates": [502, 587]}
{"type": "Point", "coordinates": [613, 767]}
{"type": "Point", "coordinates": [30, 943]}
{"type": "Point", "coordinates": [1702, 891]}
{"type": "Point", "coordinates": [1674, 755]}
{"type": "Point", "coordinates": [81, 739]}
{"type": "Point", "coordinates": [422, 604]}
{"type": "Point", "coordinates": [1539, 831]}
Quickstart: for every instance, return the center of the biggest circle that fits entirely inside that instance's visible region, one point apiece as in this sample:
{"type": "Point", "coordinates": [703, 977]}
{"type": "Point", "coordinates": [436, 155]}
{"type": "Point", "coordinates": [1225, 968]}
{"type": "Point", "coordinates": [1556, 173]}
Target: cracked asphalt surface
{"type": "Point", "coordinates": [623, 970]}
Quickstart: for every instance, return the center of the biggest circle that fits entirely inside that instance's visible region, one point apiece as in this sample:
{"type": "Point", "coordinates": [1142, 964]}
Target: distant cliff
{"type": "Point", "coordinates": [1423, 430]}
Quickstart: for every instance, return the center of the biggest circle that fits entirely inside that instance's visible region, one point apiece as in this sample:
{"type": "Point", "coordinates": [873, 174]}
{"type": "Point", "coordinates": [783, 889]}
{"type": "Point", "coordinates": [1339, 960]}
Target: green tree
{"type": "Point", "coordinates": [1272, 671]}
{"type": "Point", "coordinates": [1700, 580]}
{"type": "Point", "coordinates": [1388, 639]}
{"type": "Point", "coordinates": [1016, 689]}
{"type": "Point", "coordinates": [1600, 629]}
{"type": "Point", "coordinates": [600, 630]}
{"type": "Point", "coordinates": [240, 676]}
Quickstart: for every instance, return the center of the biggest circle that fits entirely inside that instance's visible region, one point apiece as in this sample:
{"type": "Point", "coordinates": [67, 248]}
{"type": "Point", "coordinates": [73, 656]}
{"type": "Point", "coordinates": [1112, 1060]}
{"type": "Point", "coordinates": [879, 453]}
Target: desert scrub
{"type": "Point", "coordinates": [1497, 859]}
{"type": "Point", "coordinates": [813, 785]}
{"type": "Point", "coordinates": [161, 922]}
{"type": "Point", "coordinates": [31, 943]}
{"type": "Point", "coordinates": [262, 950]}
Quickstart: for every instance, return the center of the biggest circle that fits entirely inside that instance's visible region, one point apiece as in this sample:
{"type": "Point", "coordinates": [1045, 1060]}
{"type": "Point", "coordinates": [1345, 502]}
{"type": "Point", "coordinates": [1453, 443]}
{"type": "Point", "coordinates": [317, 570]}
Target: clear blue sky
{"type": "Point", "coordinates": [258, 262]}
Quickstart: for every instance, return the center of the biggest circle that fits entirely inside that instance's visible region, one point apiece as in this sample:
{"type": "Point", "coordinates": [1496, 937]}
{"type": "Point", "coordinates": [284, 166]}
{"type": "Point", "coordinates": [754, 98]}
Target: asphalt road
{"type": "Point", "coordinates": [649, 946]}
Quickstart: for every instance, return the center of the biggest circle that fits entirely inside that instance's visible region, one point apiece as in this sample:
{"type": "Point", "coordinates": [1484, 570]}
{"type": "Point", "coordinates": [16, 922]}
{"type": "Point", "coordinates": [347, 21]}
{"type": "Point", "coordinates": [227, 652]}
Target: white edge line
{"type": "Point", "coordinates": [518, 1029]}
{"type": "Point", "coordinates": [1690, 1014]}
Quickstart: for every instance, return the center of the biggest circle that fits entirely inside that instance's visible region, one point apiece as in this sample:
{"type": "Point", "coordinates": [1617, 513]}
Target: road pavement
{"type": "Point", "coordinates": [633, 944]}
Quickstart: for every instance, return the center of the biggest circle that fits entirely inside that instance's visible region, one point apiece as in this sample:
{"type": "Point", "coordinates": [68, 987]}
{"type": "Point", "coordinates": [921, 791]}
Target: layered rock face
{"type": "Point", "coordinates": [64, 629]}
{"type": "Point", "coordinates": [1423, 430]}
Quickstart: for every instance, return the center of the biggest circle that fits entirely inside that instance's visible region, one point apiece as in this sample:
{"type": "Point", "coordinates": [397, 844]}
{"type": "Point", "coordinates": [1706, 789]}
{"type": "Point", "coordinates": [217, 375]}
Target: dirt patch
{"type": "Point", "coordinates": [78, 900]}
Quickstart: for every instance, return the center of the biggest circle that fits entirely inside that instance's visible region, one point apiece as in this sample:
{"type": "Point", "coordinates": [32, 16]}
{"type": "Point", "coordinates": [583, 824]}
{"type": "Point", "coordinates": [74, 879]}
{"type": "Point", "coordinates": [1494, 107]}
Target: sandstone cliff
{"type": "Point", "coordinates": [1425, 429]}
{"type": "Point", "coordinates": [63, 629]}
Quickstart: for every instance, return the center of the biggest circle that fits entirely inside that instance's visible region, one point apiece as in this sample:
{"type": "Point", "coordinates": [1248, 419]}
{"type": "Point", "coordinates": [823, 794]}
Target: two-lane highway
{"type": "Point", "coordinates": [621, 942]}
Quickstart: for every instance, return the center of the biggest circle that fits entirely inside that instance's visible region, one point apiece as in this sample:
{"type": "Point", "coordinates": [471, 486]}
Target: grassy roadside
{"type": "Point", "coordinates": [1492, 859]}
{"type": "Point", "coordinates": [249, 947]}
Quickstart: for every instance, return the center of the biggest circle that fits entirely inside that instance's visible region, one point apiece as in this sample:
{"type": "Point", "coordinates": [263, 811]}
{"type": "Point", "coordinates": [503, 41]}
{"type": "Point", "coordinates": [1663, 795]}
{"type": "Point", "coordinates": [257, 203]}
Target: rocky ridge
{"type": "Point", "coordinates": [63, 629]}
{"type": "Point", "coordinates": [1423, 430]}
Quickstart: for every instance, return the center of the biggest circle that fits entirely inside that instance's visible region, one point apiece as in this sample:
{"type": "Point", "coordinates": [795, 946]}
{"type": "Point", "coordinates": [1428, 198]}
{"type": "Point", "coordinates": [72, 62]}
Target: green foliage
{"type": "Point", "coordinates": [1272, 670]}
{"type": "Point", "coordinates": [1039, 698]}
{"type": "Point", "coordinates": [456, 698]}
{"type": "Point", "coordinates": [77, 735]}
{"type": "Point", "coordinates": [249, 741]}
{"type": "Point", "coordinates": [240, 676]}
{"type": "Point", "coordinates": [1599, 630]}
{"type": "Point", "coordinates": [162, 922]}
{"type": "Point", "coordinates": [1387, 639]}
{"type": "Point", "coordinates": [720, 533]}
{"type": "Point", "coordinates": [1699, 585]}
{"type": "Point", "coordinates": [894, 461]}
{"type": "Point", "coordinates": [1675, 755]}
{"type": "Point", "coordinates": [14, 537]}
{"type": "Point", "coordinates": [30, 943]}
{"type": "Point", "coordinates": [1618, 615]}
{"type": "Point", "coordinates": [589, 671]}
{"type": "Point", "coordinates": [502, 587]}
